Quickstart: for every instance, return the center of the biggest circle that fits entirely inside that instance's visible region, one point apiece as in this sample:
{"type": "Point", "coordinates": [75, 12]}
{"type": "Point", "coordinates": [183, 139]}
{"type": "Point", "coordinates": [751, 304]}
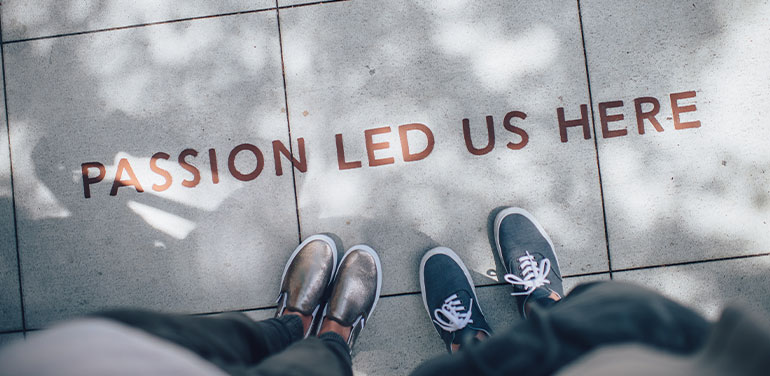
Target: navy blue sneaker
{"type": "Point", "coordinates": [450, 298]}
{"type": "Point", "coordinates": [527, 253]}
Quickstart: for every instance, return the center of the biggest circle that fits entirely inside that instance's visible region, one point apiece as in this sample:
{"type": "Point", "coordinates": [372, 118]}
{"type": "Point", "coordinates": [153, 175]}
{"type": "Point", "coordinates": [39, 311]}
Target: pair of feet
{"type": "Point", "coordinates": [527, 254]}
{"type": "Point", "coordinates": [341, 299]}
{"type": "Point", "coordinates": [328, 297]}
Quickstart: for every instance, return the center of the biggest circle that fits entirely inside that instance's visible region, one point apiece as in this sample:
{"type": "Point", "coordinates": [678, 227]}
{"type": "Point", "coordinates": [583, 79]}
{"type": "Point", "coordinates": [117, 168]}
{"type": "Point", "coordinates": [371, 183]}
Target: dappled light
{"type": "Point", "coordinates": [687, 194]}
{"type": "Point", "coordinates": [170, 163]}
{"type": "Point", "coordinates": [351, 85]}
{"type": "Point", "coordinates": [41, 202]}
{"type": "Point", "coordinates": [116, 99]}
{"type": "Point", "coordinates": [170, 224]}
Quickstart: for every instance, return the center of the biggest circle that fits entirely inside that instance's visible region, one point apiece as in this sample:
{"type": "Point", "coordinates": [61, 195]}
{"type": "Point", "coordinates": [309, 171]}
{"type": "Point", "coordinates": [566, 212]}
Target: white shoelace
{"type": "Point", "coordinates": [534, 274]}
{"type": "Point", "coordinates": [450, 316]}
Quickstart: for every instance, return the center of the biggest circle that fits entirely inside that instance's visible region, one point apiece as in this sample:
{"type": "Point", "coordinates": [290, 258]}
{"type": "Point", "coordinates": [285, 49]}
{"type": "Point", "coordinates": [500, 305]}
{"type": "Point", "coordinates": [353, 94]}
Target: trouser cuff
{"type": "Point", "coordinates": [336, 343]}
{"type": "Point", "coordinates": [293, 326]}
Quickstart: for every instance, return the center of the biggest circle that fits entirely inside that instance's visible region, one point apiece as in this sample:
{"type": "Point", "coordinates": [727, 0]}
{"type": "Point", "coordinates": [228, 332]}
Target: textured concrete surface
{"type": "Point", "coordinates": [694, 193]}
{"type": "Point", "coordinates": [10, 302]}
{"type": "Point", "coordinates": [438, 64]}
{"type": "Point", "coordinates": [708, 287]}
{"type": "Point", "coordinates": [128, 94]}
{"type": "Point", "coordinates": [90, 81]}
{"type": "Point", "coordinates": [25, 19]}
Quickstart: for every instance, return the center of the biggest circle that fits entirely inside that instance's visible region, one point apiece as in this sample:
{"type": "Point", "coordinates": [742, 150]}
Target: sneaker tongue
{"type": "Point", "coordinates": [539, 293]}
{"type": "Point", "coordinates": [464, 297]}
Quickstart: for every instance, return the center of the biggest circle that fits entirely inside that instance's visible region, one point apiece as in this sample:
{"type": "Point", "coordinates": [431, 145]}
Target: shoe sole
{"type": "Point", "coordinates": [514, 210]}
{"type": "Point", "coordinates": [448, 252]}
{"type": "Point", "coordinates": [329, 241]}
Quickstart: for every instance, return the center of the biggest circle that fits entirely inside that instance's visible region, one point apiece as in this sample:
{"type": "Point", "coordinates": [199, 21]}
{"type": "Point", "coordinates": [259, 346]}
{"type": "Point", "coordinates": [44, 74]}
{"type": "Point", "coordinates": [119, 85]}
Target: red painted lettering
{"type": "Point", "coordinates": [257, 170]}
{"type": "Point", "coordinates": [123, 165]}
{"type": "Point", "coordinates": [606, 119]}
{"type": "Point", "coordinates": [402, 133]}
{"type": "Point", "coordinates": [372, 146]}
{"type": "Point", "coordinates": [279, 148]}
{"type": "Point", "coordinates": [88, 180]}
{"type": "Point", "coordinates": [154, 167]}
{"type": "Point", "coordinates": [582, 122]}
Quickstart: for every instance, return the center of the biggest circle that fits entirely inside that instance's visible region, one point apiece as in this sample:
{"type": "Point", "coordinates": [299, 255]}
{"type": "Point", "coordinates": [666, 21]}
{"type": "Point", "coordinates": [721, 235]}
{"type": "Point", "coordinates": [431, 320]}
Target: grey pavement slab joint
{"type": "Point", "coordinates": [288, 126]}
{"type": "Point", "coordinates": [173, 20]}
{"type": "Point", "coordinates": [117, 28]}
{"type": "Point", "coordinates": [703, 261]}
{"type": "Point", "coordinates": [571, 281]}
{"type": "Point", "coordinates": [11, 302]}
{"type": "Point", "coordinates": [708, 286]}
{"type": "Point", "coordinates": [54, 18]}
{"type": "Point", "coordinates": [283, 4]}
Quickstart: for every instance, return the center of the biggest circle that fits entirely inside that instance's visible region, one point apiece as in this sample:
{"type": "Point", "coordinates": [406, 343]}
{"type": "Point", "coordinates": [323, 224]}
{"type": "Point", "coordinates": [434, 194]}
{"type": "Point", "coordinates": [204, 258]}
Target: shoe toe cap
{"type": "Point", "coordinates": [355, 289]}
{"type": "Point", "coordinates": [308, 275]}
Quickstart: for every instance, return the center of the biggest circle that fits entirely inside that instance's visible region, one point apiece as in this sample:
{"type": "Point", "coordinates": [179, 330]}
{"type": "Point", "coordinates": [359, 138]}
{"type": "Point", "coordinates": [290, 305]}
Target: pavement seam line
{"type": "Point", "coordinates": [136, 26]}
{"type": "Point", "coordinates": [13, 193]}
{"type": "Point", "coordinates": [175, 20]}
{"type": "Point", "coordinates": [288, 122]}
{"type": "Point", "coordinates": [596, 140]}
{"type": "Point", "coordinates": [395, 295]}
{"type": "Point", "coordinates": [310, 4]}
{"type": "Point", "coordinates": [683, 263]}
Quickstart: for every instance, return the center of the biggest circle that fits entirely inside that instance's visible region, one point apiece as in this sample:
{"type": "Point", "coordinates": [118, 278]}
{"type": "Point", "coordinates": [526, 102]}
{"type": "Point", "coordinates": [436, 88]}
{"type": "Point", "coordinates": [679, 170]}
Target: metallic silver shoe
{"type": "Point", "coordinates": [356, 290]}
{"type": "Point", "coordinates": [306, 277]}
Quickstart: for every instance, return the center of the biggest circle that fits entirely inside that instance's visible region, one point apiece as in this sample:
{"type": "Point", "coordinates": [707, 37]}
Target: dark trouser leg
{"type": "Point", "coordinates": [592, 315]}
{"type": "Point", "coordinates": [241, 346]}
{"type": "Point", "coordinates": [326, 355]}
{"type": "Point", "coordinates": [227, 340]}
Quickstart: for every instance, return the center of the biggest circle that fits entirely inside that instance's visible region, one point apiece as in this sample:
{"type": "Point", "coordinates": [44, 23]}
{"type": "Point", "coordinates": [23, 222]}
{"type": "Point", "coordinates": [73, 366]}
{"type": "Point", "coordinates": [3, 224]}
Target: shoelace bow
{"type": "Point", "coordinates": [534, 274]}
{"type": "Point", "coordinates": [450, 316]}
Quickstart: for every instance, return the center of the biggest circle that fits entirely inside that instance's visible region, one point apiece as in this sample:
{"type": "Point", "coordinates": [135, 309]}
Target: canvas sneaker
{"type": "Point", "coordinates": [450, 298]}
{"type": "Point", "coordinates": [527, 253]}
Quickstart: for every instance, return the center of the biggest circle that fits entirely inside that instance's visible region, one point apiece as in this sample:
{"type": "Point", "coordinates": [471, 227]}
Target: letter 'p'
{"type": "Point", "coordinates": [88, 180]}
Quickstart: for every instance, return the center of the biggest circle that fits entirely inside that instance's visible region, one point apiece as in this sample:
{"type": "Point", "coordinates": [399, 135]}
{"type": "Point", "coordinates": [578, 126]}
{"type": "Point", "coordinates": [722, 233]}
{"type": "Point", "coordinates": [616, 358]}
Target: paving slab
{"type": "Point", "coordinates": [400, 335]}
{"type": "Point", "coordinates": [701, 191]}
{"type": "Point", "coordinates": [25, 19]}
{"type": "Point", "coordinates": [215, 239]}
{"type": "Point", "coordinates": [10, 302]}
{"type": "Point", "coordinates": [398, 71]}
{"type": "Point", "coordinates": [707, 287]}
{"type": "Point", "coordinates": [8, 338]}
